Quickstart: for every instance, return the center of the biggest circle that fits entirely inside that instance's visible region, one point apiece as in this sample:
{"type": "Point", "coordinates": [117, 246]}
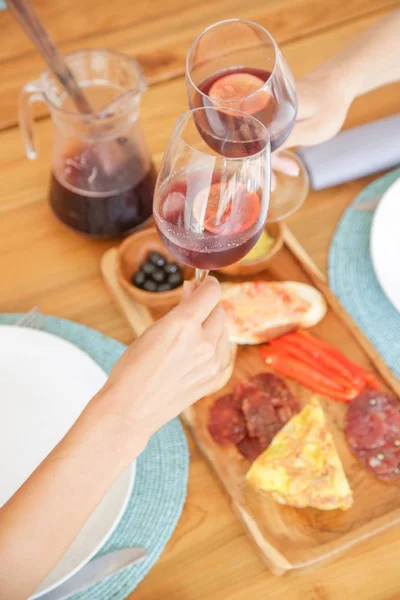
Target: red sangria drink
{"type": "Point", "coordinates": [210, 209]}
{"type": "Point", "coordinates": [236, 64]}
{"type": "Point", "coordinates": [102, 180]}
{"type": "Point", "coordinates": [245, 89]}
{"type": "Point", "coordinates": [209, 226]}
{"type": "Point", "coordinates": [94, 202]}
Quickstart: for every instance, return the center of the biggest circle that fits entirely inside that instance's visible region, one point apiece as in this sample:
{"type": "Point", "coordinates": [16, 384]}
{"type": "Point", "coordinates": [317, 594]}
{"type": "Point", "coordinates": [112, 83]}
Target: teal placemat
{"type": "Point", "coordinates": [352, 278]}
{"type": "Point", "coordinates": [161, 477]}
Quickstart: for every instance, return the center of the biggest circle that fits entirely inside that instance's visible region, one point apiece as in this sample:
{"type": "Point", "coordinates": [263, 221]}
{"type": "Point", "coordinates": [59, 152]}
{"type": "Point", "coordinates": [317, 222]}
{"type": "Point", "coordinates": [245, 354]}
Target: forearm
{"type": "Point", "coordinates": [373, 58]}
{"type": "Point", "coordinates": [42, 519]}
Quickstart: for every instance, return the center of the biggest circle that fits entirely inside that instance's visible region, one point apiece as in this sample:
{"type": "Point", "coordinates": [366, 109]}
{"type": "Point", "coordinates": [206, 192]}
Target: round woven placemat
{"type": "Point", "coordinates": [352, 278]}
{"type": "Point", "coordinates": [160, 486]}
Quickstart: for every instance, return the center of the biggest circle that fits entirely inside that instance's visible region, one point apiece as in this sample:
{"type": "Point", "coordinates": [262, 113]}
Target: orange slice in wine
{"type": "Point", "coordinates": [236, 87]}
{"type": "Point", "coordinates": [218, 210]}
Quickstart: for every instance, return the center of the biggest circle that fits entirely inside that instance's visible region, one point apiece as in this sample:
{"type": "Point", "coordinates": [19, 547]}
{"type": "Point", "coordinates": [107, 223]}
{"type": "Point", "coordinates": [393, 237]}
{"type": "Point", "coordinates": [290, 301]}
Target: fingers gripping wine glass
{"type": "Point", "coordinates": [212, 191]}
{"type": "Point", "coordinates": [237, 64]}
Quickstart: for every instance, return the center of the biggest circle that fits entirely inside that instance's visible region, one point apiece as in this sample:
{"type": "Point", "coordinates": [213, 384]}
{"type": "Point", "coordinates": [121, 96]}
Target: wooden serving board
{"type": "Point", "coordinates": [290, 538]}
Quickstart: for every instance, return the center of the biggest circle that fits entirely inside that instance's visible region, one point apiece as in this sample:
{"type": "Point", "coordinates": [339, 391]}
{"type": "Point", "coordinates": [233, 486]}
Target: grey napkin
{"type": "Point", "coordinates": [353, 153]}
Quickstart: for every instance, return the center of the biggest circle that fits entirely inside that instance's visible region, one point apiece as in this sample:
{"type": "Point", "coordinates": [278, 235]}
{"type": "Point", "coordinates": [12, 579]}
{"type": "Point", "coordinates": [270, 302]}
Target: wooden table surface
{"type": "Point", "coordinates": [41, 263]}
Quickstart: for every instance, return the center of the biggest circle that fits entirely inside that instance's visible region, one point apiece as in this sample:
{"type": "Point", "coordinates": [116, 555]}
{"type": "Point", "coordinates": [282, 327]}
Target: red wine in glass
{"type": "Point", "coordinates": [118, 203]}
{"type": "Point", "coordinates": [243, 89]}
{"type": "Point", "coordinates": [237, 64]}
{"type": "Point", "coordinates": [210, 209]}
{"type": "Point", "coordinates": [208, 226]}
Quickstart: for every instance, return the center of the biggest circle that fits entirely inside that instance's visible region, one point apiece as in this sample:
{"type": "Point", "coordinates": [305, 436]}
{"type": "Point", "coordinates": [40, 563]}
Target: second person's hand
{"type": "Point", "coordinates": [323, 103]}
{"type": "Point", "coordinates": [324, 100]}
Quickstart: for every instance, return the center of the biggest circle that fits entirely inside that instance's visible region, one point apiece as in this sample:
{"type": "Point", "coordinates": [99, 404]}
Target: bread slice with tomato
{"type": "Point", "coordinates": [260, 311]}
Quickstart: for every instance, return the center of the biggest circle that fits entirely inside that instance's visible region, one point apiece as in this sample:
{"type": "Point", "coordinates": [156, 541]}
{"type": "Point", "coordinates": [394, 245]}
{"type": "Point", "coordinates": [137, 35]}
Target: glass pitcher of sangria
{"type": "Point", "coordinates": [103, 179]}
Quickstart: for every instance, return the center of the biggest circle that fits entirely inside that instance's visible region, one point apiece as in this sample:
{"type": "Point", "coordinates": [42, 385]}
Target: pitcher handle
{"type": "Point", "coordinates": [30, 93]}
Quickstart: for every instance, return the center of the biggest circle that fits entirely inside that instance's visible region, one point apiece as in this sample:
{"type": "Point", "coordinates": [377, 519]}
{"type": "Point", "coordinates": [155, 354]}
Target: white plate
{"type": "Point", "coordinates": [385, 243]}
{"type": "Point", "coordinates": [45, 383]}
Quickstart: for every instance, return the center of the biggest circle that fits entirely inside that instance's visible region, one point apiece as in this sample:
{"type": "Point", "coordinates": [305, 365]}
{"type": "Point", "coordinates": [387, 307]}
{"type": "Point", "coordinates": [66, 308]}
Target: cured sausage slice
{"type": "Point", "coordinates": [253, 414]}
{"type": "Point", "coordinates": [250, 448]}
{"type": "Point", "coordinates": [266, 402]}
{"type": "Point", "coordinates": [241, 389]}
{"type": "Point", "coordinates": [384, 464]}
{"type": "Point", "coordinates": [226, 422]}
{"type": "Point", "coordinates": [373, 432]}
{"type": "Point", "coordinates": [274, 386]}
{"type": "Point", "coordinates": [258, 412]}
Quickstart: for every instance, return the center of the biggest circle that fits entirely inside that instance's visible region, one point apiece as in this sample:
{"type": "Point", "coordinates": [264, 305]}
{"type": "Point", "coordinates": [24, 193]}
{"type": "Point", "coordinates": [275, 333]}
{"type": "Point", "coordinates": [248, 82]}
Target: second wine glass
{"type": "Point", "coordinates": [212, 192]}
{"type": "Point", "coordinates": [237, 64]}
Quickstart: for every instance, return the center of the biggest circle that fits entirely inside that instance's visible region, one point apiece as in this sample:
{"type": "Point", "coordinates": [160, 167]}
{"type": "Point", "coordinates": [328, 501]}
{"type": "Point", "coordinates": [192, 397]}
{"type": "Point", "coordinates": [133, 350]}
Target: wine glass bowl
{"type": "Point", "coordinates": [212, 191]}
{"type": "Point", "coordinates": [254, 266]}
{"type": "Point", "coordinates": [236, 64]}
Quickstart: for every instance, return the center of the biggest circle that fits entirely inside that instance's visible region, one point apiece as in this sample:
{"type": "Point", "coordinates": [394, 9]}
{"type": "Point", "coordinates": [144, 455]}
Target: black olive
{"type": "Point", "coordinates": [150, 286]}
{"type": "Point", "coordinates": [164, 287]}
{"type": "Point", "coordinates": [172, 267]}
{"type": "Point", "coordinates": [148, 268]}
{"type": "Point", "coordinates": [156, 259]}
{"type": "Point", "coordinates": [158, 276]}
{"type": "Point", "coordinates": [175, 280]}
{"type": "Point", "coordinates": [138, 279]}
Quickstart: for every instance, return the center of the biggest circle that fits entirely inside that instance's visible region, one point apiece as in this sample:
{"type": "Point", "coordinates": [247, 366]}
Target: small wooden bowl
{"type": "Point", "coordinates": [132, 253]}
{"type": "Point", "coordinates": [252, 267]}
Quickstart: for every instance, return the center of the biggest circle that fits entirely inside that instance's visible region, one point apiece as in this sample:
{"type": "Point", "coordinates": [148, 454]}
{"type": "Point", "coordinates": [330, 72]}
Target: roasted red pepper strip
{"type": "Point", "coordinates": [325, 357]}
{"type": "Point", "coordinates": [292, 368]}
{"type": "Point", "coordinates": [372, 381]}
{"type": "Point", "coordinates": [356, 370]}
{"type": "Point", "coordinates": [315, 359]}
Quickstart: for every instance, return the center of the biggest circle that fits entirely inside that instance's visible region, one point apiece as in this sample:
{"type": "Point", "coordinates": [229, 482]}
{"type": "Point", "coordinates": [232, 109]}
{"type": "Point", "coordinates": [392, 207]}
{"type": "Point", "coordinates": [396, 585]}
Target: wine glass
{"type": "Point", "coordinates": [212, 191]}
{"type": "Point", "coordinates": [237, 64]}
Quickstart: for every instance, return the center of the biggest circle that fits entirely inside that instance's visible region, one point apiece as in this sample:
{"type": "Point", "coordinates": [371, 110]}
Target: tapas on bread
{"type": "Point", "coordinates": [260, 311]}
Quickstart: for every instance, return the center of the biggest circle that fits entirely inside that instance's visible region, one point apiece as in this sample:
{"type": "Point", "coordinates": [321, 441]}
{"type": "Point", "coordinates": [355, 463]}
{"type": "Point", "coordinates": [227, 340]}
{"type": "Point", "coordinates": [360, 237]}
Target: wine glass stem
{"type": "Point", "coordinates": [201, 275]}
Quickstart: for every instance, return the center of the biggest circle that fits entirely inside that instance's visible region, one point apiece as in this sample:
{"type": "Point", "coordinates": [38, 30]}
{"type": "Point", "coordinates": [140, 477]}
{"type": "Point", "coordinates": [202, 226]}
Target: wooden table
{"type": "Point", "coordinates": [209, 555]}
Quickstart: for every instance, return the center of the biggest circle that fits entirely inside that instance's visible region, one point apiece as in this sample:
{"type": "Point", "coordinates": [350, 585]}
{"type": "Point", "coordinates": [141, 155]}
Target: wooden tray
{"type": "Point", "coordinates": [291, 538]}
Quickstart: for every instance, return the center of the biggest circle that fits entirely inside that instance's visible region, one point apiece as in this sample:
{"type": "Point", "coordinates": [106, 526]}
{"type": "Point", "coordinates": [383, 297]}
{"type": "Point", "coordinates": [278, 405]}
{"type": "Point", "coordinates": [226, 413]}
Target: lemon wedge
{"type": "Point", "coordinates": [261, 249]}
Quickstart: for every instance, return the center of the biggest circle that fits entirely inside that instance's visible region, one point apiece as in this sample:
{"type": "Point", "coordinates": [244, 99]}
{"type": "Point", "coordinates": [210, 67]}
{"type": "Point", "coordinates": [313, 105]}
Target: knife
{"type": "Point", "coordinates": [95, 571]}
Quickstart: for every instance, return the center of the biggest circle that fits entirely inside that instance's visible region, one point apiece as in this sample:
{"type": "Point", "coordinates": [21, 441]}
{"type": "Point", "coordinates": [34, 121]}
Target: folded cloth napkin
{"type": "Point", "coordinates": [353, 153]}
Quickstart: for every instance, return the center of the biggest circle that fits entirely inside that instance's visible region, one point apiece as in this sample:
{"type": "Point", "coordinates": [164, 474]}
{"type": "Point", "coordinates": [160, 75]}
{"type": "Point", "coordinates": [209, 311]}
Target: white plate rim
{"type": "Point", "coordinates": [129, 474]}
{"type": "Point", "coordinates": [103, 540]}
{"type": "Point", "coordinates": [375, 240]}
